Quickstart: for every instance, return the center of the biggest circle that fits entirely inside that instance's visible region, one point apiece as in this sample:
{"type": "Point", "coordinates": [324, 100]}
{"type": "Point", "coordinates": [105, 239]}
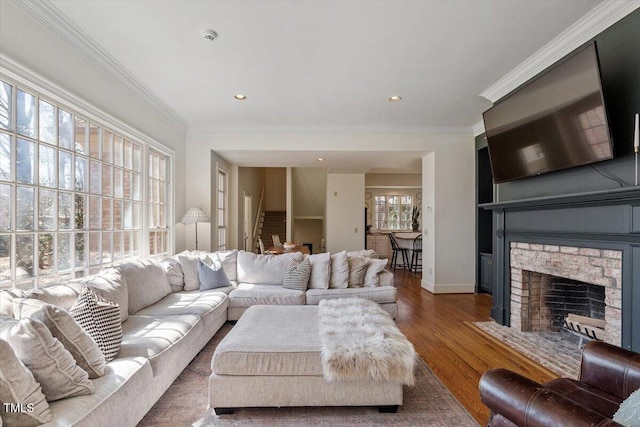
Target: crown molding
{"type": "Point", "coordinates": [590, 25]}
{"type": "Point", "coordinates": [330, 130]}
{"type": "Point", "coordinates": [478, 128]}
{"type": "Point", "coordinates": [50, 17]}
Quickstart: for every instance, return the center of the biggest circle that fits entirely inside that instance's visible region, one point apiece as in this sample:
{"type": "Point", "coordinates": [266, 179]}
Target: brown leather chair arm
{"type": "Point", "coordinates": [611, 369]}
{"type": "Point", "coordinates": [528, 403]}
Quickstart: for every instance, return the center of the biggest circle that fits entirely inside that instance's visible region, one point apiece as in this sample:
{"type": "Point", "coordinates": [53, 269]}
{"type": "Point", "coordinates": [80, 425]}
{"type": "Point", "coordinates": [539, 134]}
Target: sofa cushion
{"type": "Point", "coordinates": [110, 285]}
{"type": "Point", "coordinates": [6, 298]}
{"type": "Point", "coordinates": [17, 385]}
{"type": "Point", "coordinates": [380, 294]}
{"type": "Point", "coordinates": [249, 294]}
{"type": "Point", "coordinates": [185, 303]}
{"type": "Point", "coordinates": [101, 320]}
{"type": "Point", "coordinates": [62, 326]}
{"type": "Point", "coordinates": [320, 270]}
{"type": "Point", "coordinates": [61, 295]}
{"type": "Point", "coordinates": [297, 275]}
{"type": "Point", "coordinates": [51, 364]}
{"type": "Point", "coordinates": [357, 269]}
{"type": "Point", "coordinates": [212, 276]}
{"type": "Point", "coordinates": [151, 336]}
{"type": "Point", "coordinates": [339, 271]}
{"type": "Point", "coordinates": [595, 399]}
{"type": "Point", "coordinates": [264, 269]}
{"type": "Point", "coordinates": [173, 270]}
{"type": "Point", "coordinates": [146, 283]}
{"type": "Point", "coordinates": [375, 267]}
{"type": "Point", "coordinates": [365, 253]}
{"type": "Point", "coordinates": [229, 262]}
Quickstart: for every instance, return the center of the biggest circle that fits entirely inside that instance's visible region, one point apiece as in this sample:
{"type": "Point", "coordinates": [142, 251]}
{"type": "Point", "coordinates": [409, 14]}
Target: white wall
{"type": "Point", "coordinates": [448, 186]}
{"type": "Point", "coordinates": [345, 214]}
{"type": "Point", "coordinates": [28, 43]}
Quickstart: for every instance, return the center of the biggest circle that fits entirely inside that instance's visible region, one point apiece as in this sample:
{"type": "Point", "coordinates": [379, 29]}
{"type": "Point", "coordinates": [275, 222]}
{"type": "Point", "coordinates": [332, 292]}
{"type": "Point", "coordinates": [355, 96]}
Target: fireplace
{"type": "Point", "coordinates": [548, 282]}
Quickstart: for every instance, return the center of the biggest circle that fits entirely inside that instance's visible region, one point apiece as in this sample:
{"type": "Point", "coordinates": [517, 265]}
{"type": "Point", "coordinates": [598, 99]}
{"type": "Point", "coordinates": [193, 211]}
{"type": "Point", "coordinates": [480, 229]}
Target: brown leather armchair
{"type": "Point", "coordinates": [608, 375]}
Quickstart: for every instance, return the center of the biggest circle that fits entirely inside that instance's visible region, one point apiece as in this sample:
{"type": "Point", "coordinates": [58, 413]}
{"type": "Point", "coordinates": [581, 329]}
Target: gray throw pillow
{"type": "Point", "coordinates": [18, 386]}
{"type": "Point", "coordinates": [101, 320]}
{"type": "Point", "coordinates": [629, 412]}
{"type": "Point", "coordinates": [212, 276]}
{"type": "Point", "coordinates": [297, 275]}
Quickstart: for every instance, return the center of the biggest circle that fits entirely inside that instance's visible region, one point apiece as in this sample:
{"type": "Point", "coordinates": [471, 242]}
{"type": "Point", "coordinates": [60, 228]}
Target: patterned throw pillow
{"type": "Point", "coordinates": [101, 319]}
{"type": "Point", "coordinates": [17, 385]}
{"type": "Point", "coordinates": [629, 412]}
{"type": "Point", "coordinates": [297, 275]}
{"type": "Point", "coordinates": [212, 276]}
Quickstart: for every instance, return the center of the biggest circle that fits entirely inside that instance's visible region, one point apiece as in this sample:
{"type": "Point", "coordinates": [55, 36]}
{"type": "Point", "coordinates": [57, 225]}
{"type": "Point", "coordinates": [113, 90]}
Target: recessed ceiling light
{"type": "Point", "coordinates": [395, 98]}
{"type": "Point", "coordinates": [240, 97]}
{"type": "Point", "coordinates": [320, 159]}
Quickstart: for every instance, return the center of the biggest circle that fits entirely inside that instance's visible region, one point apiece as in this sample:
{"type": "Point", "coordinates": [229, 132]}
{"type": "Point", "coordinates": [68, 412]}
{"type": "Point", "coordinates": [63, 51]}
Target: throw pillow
{"type": "Point", "coordinates": [62, 326]}
{"type": "Point", "coordinates": [173, 270]}
{"type": "Point", "coordinates": [6, 296]}
{"type": "Point", "coordinates": [146, 283]}
{"type": "Point", "coordinates": [297, 275]}
{"type": "Point", "coordinates": [229, 260]}
{"type": "Point", "coordinates": [629, 412]}
{"type": "Point", "coordinates": [101, 320]}
{"type": "Point", "coordinates": [61, 295]}
{"type": "Point", "coordinates": [189, 264]}
{"type": "Point", "coordinates": [320, 271]}
{"type": "Point", "coordinates": [212, 276]}
{"type": "Point", "coordinates": [375, 267]}
{"type": "Point", "coordinates": [357, 269]}
{"type": "Point", "coordinates": [17, 386]}
{"type": "Point", "coordinates": [110, 285]}
{"type": "Point", "coordinates": [50, 363]}
{"type": "Point", "coordinates": [339, 271]}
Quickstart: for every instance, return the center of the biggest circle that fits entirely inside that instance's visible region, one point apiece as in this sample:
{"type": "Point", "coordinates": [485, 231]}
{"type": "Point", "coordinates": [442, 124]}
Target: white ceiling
{"type": "Point", "coordinates": [323, 63]}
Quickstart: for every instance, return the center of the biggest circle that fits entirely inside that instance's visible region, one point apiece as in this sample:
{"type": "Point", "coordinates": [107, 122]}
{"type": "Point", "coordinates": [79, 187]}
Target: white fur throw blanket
{"type": "Point", "coordinates": [361, 341]}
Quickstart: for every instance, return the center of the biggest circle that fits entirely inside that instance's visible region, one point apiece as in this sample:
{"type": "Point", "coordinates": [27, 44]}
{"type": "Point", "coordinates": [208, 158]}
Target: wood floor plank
{"type": "Point", "coordinates": [441, 330]}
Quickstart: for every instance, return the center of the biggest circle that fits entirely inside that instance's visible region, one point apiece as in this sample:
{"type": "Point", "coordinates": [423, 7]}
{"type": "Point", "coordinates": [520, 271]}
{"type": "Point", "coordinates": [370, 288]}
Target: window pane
{"type": "Point", "coordinates": [117, 183]}
{"type": "Point", "coordinates": [65, 129]}
{"type": "Point", "coordinates": [128, 154]}
{"type": "Point", "coordinates": [5, 258]}
{"type": "Point", "coordinates": [135, 243]}
{"type": "Point", "coordinates": [47, 210]}
{"type": "Point", "coordinates": [47, 122]}
{"type": "Point", "coordinates": [117, 150]}
{"type": "Point", "coordinates": [65, 170]}
{"type": "Point", "coordinates": [5, 156]}
{"type": "Point", "coordinates": [136, 187]}
{"type": "Point", "coordinates": [162, 173]}
{"type": "Point", "coordinates": [82, 183]}
{"type": "Point", "coordinates": [106, 248]}
{"type": "Point", "coordinates": [95, 181]}
{"type": "Point", "coordinates": [94, 141]}
{"type": "Point", "coordinates": [137, 158]}
{"type": "Point", "coordinates": [81, 130]}
{"type": "Point", "coordinates": [107, 189]}
{"type": "Point", "coordinates": [127, 218]}
{"type": "Point", "coordinates": [80, 251]}
{"type": "Point", "coordinates": [106, 214]}
{"type": "Point", "coordinates": [25, 161]}
{"type": "Point", "coordinates": [95, 206]}
{"type": "Point", "coordinates": [25, 209]}
{"type": "Point", "coordinates": [80, 211]}
{"type": "Point", "coordinates": [95, 248]}
{"type": "Point", "coordinates": [65, 211]}
{"type": "Point", "coordinates": [45, 253]}
{"type": "Point", "coordinates": [127, 185]}
{"type": "Point", "coordinates": [47, 166]}
{"type": "Point", "coordinates": [5, 207]}
{"type": "Point", "coordinates": [135, 216]}
{"type": "Point", "coordinates": [65, 251]}
{"type": "Point", "coordinates": [126, 244]}
{"type": "Point", "coordinates": [117, 246]}
{"type": "Point", "coordinates": [152, 242]}
{"type": "Point", "coordinates": [26, 115]}
{"type": "Point", "coordinates": [107, 143]}
{"type": "Point", "coordinates": [117, 214]}
{"type": "Point", "coordinates": [5, 105]}
{"type": "Point", "coordinates": [24, 255]}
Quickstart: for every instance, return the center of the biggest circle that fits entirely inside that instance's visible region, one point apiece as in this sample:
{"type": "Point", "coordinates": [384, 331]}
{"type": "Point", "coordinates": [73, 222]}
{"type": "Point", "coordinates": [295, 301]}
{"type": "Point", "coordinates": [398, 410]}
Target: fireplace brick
{"type": "Point", "coordinates": [551, 248]}
{"type": "Point", "coordinates": [521, 245]}
{"type": "Point", "coordinates": [590, 252]}
{"type": "Point", "coordinates": [613, 298]}
{"type": "Point", "coordinates": [569, 249]}
{"type": "Point", "coordinates": [536, 247]}
{"type": "Point", "coordinates": [612, 254]}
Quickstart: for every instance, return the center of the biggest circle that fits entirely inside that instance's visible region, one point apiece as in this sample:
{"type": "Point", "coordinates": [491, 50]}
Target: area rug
{"type": "Point", "coordinates": [428, 403]}
{"type": "Point", "coordinates": [554, 350]}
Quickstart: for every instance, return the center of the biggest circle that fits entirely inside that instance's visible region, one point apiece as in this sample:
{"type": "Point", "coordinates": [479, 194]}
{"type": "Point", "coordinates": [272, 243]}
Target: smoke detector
{"type": "Point", "coordinates": [209, 35]}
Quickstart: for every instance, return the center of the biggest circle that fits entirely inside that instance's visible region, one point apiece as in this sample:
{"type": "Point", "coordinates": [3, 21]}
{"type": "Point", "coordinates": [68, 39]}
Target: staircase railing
{"type": "Point", "coordinates": [256, 223]}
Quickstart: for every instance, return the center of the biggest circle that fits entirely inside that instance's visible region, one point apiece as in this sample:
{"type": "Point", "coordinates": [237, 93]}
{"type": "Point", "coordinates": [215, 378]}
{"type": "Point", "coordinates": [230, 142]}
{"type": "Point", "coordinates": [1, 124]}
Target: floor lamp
{"type": "Point", "coordinates": [194, 216]}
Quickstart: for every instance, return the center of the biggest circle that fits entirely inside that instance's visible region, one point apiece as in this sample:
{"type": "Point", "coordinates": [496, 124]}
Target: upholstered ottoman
{"type": "Point", "coordinates": [273, 357]}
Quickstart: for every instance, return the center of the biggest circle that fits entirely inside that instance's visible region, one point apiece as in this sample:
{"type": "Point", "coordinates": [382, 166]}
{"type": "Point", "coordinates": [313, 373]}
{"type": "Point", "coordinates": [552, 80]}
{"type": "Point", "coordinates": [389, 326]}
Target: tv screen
{"type": "Point", "coordinates": [556, 121]}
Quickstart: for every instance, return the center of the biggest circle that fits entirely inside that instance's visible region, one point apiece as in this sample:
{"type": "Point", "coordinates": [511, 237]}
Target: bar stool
{"type": "Point", "coordinates": [416, 254]}
{"type": "Point", "coordinates": [397, 249]}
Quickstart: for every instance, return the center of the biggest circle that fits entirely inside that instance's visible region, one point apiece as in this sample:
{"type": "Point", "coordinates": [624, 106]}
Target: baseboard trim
{"type": "Point", "coordinates": [448, 288]}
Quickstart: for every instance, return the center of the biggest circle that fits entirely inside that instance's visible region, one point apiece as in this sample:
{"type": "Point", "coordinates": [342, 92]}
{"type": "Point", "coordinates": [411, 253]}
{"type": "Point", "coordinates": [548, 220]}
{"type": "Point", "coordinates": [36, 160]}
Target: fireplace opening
{"type": "Point", "coordinates": [565, 297]}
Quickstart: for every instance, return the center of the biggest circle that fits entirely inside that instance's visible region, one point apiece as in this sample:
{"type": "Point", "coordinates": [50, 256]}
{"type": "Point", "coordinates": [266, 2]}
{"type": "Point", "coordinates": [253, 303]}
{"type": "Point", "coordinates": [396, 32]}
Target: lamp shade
{"type": "Point", "coordinates": [194, 216]}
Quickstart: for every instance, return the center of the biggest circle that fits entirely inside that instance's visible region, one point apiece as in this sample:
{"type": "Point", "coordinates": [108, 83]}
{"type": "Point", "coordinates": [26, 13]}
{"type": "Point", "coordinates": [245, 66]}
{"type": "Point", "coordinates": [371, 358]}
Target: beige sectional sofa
{"type": "Point", "coordinates": [164, 326]}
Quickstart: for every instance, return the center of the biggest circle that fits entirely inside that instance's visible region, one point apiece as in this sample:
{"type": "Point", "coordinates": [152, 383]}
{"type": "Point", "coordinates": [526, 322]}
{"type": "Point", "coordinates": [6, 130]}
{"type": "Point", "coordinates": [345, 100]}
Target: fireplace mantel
{"type": "Point", "coordinates": [606, 220]}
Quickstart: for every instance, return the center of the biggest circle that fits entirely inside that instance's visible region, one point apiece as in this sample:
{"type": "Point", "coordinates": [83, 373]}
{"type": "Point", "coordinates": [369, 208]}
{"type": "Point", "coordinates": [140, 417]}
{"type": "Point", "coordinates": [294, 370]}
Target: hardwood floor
{"type": "Point", "coordinates": [440, 330]}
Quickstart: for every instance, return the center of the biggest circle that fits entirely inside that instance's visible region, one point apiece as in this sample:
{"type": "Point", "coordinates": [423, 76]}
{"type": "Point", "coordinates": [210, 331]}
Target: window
{"type": "Point", "coordinates": [393, 212]}
{"type": "Point", "coordinates": [222, 210]}
{"type": "Point", "coordinates": [158, 186]}
{"type": "Point", "coordinates": [71, 199]}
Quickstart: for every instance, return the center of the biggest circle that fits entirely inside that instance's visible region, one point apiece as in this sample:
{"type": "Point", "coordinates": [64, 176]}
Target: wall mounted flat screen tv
{"type": "Point", "coordinates": [557, 121]}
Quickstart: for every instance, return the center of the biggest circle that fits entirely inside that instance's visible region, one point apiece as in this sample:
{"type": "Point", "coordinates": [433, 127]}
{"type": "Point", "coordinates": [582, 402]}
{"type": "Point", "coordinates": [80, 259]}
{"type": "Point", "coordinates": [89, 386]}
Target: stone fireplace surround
{"type": "Point", "coordinates": [532, 264]}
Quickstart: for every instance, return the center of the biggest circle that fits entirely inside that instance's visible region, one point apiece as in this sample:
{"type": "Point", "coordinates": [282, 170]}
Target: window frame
{"type": "Point", "coordinates": [386, 200]}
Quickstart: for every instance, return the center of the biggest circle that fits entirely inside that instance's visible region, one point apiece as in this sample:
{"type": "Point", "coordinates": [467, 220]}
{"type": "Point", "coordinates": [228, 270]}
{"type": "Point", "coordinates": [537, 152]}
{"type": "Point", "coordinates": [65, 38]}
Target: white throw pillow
{"type": "Point", "coordinates": [339, 271]}
{"type": "Point", "coordinates": [110, 285]}
{"type": "Point", "coordinates": [376, 266]}
{"type": "Point", "coordinates": [264, 269]}
{"type": "Point", "coordinates": [357, 269]}
{"type": "Point", "coordinates": [50, 363]}
{"type": "Point", "coordinates": [62, 326]}
{"type": "Point", "coordinates": [228, 259]}
{"type": "Point", "coordinates": [61, 295]}
{"type": "Point", "coordinates": [146, 283]}
{"type": "Point", "coordinates": [173, 270]}
{"type": "Point", "coordinates": [18, 386]}
{"type": "Point", "coordinates": [629, 412]}
{"type": "Point", "coordinates": [320, 270]}
{"type": "Point", "coordinates": [189, 264]}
